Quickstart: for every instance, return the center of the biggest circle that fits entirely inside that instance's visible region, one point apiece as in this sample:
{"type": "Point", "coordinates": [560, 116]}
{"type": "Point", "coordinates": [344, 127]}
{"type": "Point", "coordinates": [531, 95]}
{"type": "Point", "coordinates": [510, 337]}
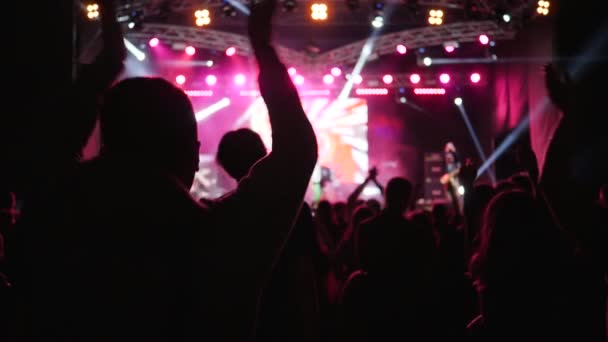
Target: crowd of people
{"type": "Point", "coordinates": [101, 251]}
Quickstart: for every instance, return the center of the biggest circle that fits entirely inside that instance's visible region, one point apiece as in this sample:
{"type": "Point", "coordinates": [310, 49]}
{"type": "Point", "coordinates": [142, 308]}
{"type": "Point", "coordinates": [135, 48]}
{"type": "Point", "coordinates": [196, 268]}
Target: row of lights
{"type": "Point", "coordinates": [241, 79]}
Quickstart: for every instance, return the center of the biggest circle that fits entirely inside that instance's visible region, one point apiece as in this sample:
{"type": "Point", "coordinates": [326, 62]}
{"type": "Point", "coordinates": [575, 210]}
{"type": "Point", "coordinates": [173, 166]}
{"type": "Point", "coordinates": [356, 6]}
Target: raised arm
{"type": "Point", "coordinates": [271, 195]}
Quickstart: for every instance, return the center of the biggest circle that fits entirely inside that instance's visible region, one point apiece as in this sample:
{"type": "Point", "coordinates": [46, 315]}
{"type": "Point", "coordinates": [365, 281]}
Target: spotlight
{"type": "Point", "coordinates": [239, 79]}
{"type": "Point", "coordinates": [401, 49]}
{"type": "Point", "coordinates": [209, 63]}
{"type": "Point", "coordinates": [387, 79]}
{"type": "Point", "coordinates": [93, 11]}
{"type": "Point", "coordinates": [131, 25]}
{"type": "Point", "coordinates": [428, 61]}
{"type": "Point", "coordinates": [190, 50]}
{"type": "Point", "coordinates": [543, 7]}
{"type": "Point", "coordinates": [415, 78]}
{"type": "Point", "coordinates": [203, 17]}
{"type": "Point", "coordinates": [475, 77]}
{"type": "Point", "coordinates": [378, 21]}
{"type": "Point", "coordinates": [289, 5]}
{"type": "Point", "coordinates": [318, 11]}
{"type": "Point", "coordinates": [154, 42]}
{"type": "Point", "coordinates": [336, 72]}
{"type": "Point", "coordinates": [328, 79]}
{"type": "Point", "coordinates": [506, 18]}
{"type": "Point", "coordinates": [292, 71]}
{"type": "Point", "coordinates": [180, 79]}
{"type": "Point", "coordinates": [298, 80]}
{"type": "Point", "coordinates": [449, 48]}
{"type": "Point", "coordinates": [436, 17]}
{"type": "Point", "coordinates": [403, 100]}
{"type": "Point", "coordinates": [458, 101]}
{"type": "Point", "coordinates": [484, 39]}
{"type": "Point", "coordinates": [378, 5]}
{"type": "Point", "coordinates": [444, 78]}
{"type": "Point", "coordinates": [211, 80]}
{"type": "Point", "coordinates": [231, 51]}
{"type": "Point", "coordinates": [461, 190]}
{"type": "Point", "coordinates": [357, 79]}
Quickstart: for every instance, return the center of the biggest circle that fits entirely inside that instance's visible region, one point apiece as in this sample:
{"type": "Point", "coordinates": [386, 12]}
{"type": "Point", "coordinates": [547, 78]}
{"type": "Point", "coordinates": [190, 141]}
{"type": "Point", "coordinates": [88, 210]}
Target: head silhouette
{"type": "Point", "coordinates": [398, 193]}
{"type": "Point", "coordinates": [148, 123]}
{"type": "Point", "coordinates": [238, 151]}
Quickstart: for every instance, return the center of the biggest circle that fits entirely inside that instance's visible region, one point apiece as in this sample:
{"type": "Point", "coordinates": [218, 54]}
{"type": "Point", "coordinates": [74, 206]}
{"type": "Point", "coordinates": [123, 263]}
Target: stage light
{"type": "Point", "coordinates": [328, 79]}
{"type": "Point", "coordinates": [449, 48]}
{"type": "Point", "coordinates": [318, 11]}
{"type": "Point", "coordinates": [336, 72]}
{"type": "Point", "coordinates": [444, 78]}
{"type": "Point", "coordinates": [435, 17]}
{"type": "Point", "coordinates": [458, 101]}
{"type": "Point", "coordinates": [134, 50]}
{"type": "Point", "coordinates": [429, 91]}
{"type": "Point", "coordinates": [475, 77]}
{"type": "Point", "coordinates": [240, 79]}
{"type": "Point", "coordinates": [371, 91]}
{"type": "Point", "coordinates": [401, 49]}
{"type": "Point", "coordinates": [190, 50]}
{"type": "Point", "coordinates": [461, 190]}
{"type": "Point", "coordinates": [415, 78]}
{"type": "Point", "coordinates": [199, 93]}
{"type": "Point", "coordinates": [506, 18]}
{"type": "Point", "coordinates": [484, 39]}
{"type": "Point", "coordinates": [231, 51]}
{"type": "Point", "coordinates": [211, 80]}
{"type": "Point", "coordinates": [154, 42]}
{"type": "Point", "coordinates": [203, 17]}
{"type": "Point", "coordinates": [357, 79]}
{"type": "Point", "coordinates": [387, 79]}
{"type": "Point", "coordinates": [131, 25]}
{"type": "Point", "coordinates": [209, 63]}
{"type": "Point", "coordinates": [403, 100]}
{"type": "Point", "coordinates": [543, 7]}
{"type": "Point", "coordinates": [93, 11]}
{"type": "Point", "coordinates": [378, 21]}
{"type": "Point", "coordinates": [180, 79]}
{"type": "Point", "coordinates": [428, 61]}
{"type": "Point", "coordinates": [292, 71]}
{"type": "Point", "coordinates": [298, 80]}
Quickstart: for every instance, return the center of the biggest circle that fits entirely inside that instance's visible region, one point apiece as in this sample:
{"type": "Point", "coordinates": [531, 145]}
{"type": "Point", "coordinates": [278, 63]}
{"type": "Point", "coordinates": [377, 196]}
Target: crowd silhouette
{"type": "Point", "coordinates": [101, 251]}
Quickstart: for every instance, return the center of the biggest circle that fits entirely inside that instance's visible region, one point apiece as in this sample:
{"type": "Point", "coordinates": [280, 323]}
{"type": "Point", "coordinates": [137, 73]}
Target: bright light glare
{"type": "Point", "coordinates": [336, 71]}
{"type": "Point", "coordinates": [401, 49]}
{"type": "Point", "coordinates": [357, 79]}
{"type": "Point", "coordinates": [428, 61]}
{"type": "Point", "coordinates": [328, 79]}
{"type": "Point", "coordinates": [444, 78]}
{"type": "Point", "coordinates": [475, 77]}
{"type": "Point", "coordinates": [378, 22]}
{"type": "Point", "coordinates": [458, 101]}
{"type": "Point", "coordinates": [231, 51]}
{"type": "Point", "coordinates": [240, 79]}
{"type": "Point", "coordinates": [387, 79]}
{"type": "Point", "coordinates": [298, 80]}
{"type": "Point", "coordinates": [506, 18]}
{"type": "Point", "coordinates": [190, 50]}
{"type": "Point", "coordinates": [484, 39]}
{"type": "Point", "coordinates": [154, 42]}
{"type": "Point", "coordinates": [292, 71]}
{"type": "Point", "coordinates": [214, 108]}
{"type": "Point", "coordinates": [180, 79]}
{"type": "Point", "coordinates": [211, 80]}
{"type": "Point", "coordinates": [415, 78]}
{"type": "Point", "coordinates": [461, 190]}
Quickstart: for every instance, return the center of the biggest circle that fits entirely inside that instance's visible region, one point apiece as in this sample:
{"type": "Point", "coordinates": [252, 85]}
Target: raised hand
{"type": "Point", "coordinates": [260, 22]}
{"type": "Point", "coordinates": [373, 173]}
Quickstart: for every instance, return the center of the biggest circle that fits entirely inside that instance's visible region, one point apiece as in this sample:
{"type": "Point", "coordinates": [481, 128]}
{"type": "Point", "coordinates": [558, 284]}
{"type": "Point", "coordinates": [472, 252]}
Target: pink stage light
{"type": "Point", "coordinates": [371, 91]}
{"type": "Point", "coordinates": [231, 51]}
{"type": "Point", "coordinates": [292, 71]}
{"type": "Point", "coordinates": [387, 79]}
{"type": "Point", "coordinates": [154, 42]}
{"type": "Point", "coordinates": [415, 78]}
{"type": "Point", "coordinates": [475, 77]}
{"type": "Point", "coordinates": [444, 78]}
{"type": "Point", "coordinates": [450, 48]}
{"type": "Point", "coordinates": [190, 50]}
{"type": "Point", "coordinates": [211, 80]}
{"type": "Point", "coordinates": [401, 49]}
{"type": "Point", "coordinates": [429, 91]}
{"type": "Point", "coordinates": [484, 39]}
{"type": "Point", "coordinates": [298, 80]}
{"type": "Point", "coordinates": [357, 79]}
{"type": "Point", "coordinates": [180, 79]}
{"type": "Point", "coordinates": [240, 79]}
{"type": "Point", "coordinates": [199, 93]}
{"type": "Point", "coordinates": [336, 71]}
{"type": "Point", "coordinates": [328, 79]}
